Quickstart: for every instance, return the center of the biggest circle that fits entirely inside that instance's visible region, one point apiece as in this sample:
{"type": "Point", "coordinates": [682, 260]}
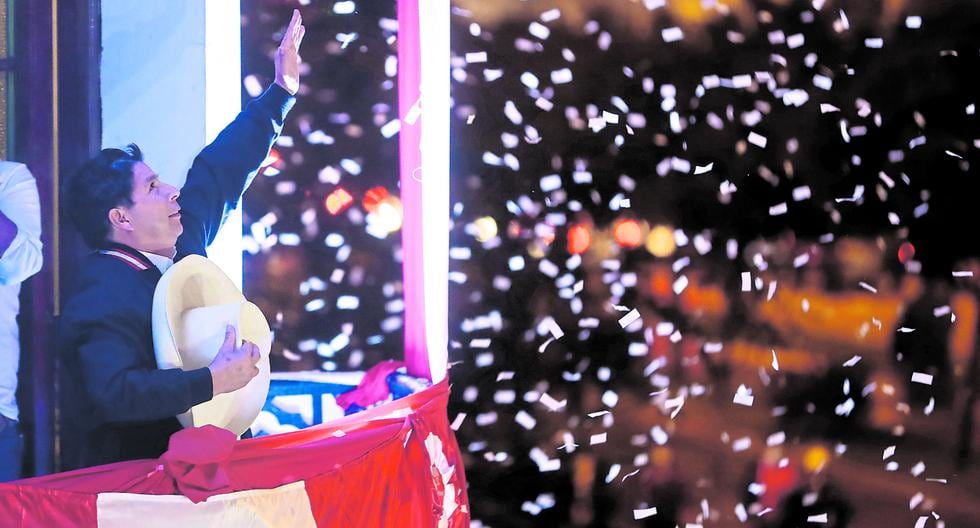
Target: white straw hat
{"type": "Point", "coordinates": [192, 305]}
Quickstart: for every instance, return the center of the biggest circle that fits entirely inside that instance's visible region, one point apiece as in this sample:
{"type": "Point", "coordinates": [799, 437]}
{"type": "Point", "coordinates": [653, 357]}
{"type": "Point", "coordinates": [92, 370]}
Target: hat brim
{"type": "Point", "coordinates": [192, 304]}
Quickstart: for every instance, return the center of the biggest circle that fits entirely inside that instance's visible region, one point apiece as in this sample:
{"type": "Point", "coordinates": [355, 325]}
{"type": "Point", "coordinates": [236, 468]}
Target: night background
{"type": "Point", "coordinates": [713, 257]}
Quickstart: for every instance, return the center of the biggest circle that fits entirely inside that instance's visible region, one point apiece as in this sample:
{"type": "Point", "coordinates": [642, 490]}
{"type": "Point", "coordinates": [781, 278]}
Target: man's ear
{"type": "Point", "coordinates": [119, 220]}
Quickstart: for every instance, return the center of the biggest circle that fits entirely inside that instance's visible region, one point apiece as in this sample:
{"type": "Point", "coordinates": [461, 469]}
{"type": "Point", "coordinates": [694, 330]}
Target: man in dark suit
{"type": "Point", "coordinates": [117, 404]}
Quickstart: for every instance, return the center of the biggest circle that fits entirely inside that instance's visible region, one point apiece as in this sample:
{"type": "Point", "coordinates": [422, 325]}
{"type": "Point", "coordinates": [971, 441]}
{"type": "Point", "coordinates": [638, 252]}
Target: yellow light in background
{"type": "Point", "coordinates": [388, 215]}
{"type": "Point", "coordinates": [486, 228]}
{"type": "Point", "coordinates": [660, 241]}
{"type": "Point", "coordinates": [700, 11]}
{"type": "Point", "coordinates": [815, 458]}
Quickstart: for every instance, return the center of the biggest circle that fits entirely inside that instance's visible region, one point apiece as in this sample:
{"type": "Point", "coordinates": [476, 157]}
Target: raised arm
{"type": "Point", "coordinates": [225, 168]}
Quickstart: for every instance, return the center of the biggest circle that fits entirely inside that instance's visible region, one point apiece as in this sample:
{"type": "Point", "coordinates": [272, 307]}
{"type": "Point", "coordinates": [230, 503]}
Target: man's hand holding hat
{"type": "Point", "coordinates": [233, 367]}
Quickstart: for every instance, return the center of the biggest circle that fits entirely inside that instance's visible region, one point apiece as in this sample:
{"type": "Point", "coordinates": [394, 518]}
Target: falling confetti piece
{"type": "Point", "coordinates": [629, 318]}
{"type": "Point", "coordinates": [703, 169]}
{"type": "Point", "coordinates": [868, 287]}
{"type": "Point", "coordinates": [874, 43]}
{"type": "Point", "coordinates": [476, 57]}
{"type": "Point", "coordinates": [853, 361]}
{"type": "Point", "coordinates": [525, 420]}
{"type": "Point", "coordinates": [922, 377]}
{"type": "Point", "coordinates": [552, 404]}
{"type": "Point", "coordinates": [562, 76]}
{"type": "Point", "coordinates": [458, 421]}
{"type": "Point", "coordinates": [644, 513]}
{"type": "Point", "coordinates": [743, 396]}
{"type": "Point", "coordinates": [672, 34]}
{"type": "Point", "coordinates": [597, 439]}
{"type": "Point", "coordinates": [757, 139]}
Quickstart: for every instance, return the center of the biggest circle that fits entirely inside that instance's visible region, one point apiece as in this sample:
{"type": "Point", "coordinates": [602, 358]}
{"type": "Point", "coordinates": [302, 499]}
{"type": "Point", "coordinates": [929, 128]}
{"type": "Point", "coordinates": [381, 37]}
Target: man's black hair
{"type": "Point", "coordinates": [104, 182]}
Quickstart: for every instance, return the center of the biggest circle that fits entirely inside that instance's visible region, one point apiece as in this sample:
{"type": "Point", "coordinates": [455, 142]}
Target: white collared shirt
{"type": "Point", "coordinates": [161, 262]}
{"type": "Point", "coordinates": [19, 202]}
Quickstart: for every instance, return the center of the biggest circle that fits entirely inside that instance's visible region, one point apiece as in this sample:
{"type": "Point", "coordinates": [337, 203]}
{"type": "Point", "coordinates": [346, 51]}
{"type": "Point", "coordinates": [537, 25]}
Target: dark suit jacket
{"type": "Point", "coordinates": [117, 405]}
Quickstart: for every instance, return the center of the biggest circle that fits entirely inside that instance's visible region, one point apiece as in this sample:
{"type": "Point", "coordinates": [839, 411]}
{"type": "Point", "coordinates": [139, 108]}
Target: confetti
{"type": "Point", "coordinates": [644, 513]}
{"type": "Point", "coordinates": [552, 404]}
{"type": "Point", "coordinates": [757, 139]}
{"type": "Point", "coordinates": [703, 169]}
{"type": "Point", "coordinates": [921, 377]}
{"type": "Point", "coordinates": [562, 76]}
{"type": "Point", "coordinates": [476, 57]}
{"type": "Point", "coordinates": [853, 361]}
{"type": "Point", "coordinates": [672, 34]}
{"type": "Point", "coordinates": [525, 420]}
{"type": "Point", "coordinates": [458, 421]}
{"type": "Point", "coordinates": [629, 318]}
{"type": "Point", "coordinates": [743, 396]}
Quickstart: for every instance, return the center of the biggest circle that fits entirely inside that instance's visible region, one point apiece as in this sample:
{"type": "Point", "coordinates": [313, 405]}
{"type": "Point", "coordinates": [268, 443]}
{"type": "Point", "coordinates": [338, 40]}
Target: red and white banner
{"type": "Point", "coordinates": [395, 465]}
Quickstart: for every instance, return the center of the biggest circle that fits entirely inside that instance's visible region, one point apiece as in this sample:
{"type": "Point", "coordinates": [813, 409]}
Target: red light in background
{"type": "Point", "coordinates": [373, 198]}
{"type": "Point", "coordinates": [338, 200]}
{"type": "Point", "coordinates": [579, 239]}
{"type": "Point", "coordinates": [272, 159]}
{"type": "Point", "coordinates": [905, 252]}
{"type": "Point", "coordinates": [627, 233]}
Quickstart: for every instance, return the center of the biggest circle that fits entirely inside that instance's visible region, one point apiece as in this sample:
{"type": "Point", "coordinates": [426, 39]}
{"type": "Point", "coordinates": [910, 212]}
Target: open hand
{"type": "Point", "coordinates": [287, 55]}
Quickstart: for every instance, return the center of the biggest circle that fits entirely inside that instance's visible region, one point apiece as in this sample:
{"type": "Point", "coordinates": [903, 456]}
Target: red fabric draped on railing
{"type": "Point", "coordinates": [395, 465]}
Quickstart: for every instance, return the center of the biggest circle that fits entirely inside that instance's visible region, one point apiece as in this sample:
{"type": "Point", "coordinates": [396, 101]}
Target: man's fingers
{"type": "Point", "coordinates": [300, 35]}
{"type": "Point", "coordinates": [255, 353]}
{"type": "Point", "coordinates": [229, 336]}
{"type": "Point", "coordinates": [290, 33]}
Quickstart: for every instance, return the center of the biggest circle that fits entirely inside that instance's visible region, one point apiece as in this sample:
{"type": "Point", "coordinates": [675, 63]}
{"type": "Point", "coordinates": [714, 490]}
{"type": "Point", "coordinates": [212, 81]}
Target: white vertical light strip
{"type": "Point", "coordinates": [222, 102]}
{"type": "Point", "coordinates": [434, 22]}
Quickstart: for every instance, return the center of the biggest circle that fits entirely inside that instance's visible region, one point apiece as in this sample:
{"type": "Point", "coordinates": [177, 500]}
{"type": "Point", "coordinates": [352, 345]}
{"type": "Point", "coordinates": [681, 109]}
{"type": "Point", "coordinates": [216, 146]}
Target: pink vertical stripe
{"type": "Point", "coordinates": [410, 162]}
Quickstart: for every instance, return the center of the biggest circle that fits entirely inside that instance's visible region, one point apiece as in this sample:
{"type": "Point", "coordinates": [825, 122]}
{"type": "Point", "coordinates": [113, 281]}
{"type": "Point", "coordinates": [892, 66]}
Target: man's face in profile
{"type": "Point", "coordinates": [154, 213]}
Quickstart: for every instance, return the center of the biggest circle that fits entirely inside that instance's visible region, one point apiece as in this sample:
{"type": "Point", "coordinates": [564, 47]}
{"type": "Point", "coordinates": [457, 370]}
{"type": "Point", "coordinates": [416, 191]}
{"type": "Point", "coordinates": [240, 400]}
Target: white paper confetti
{"type": "Point", "coordinates": [853, 361]}
{"type": "Point", "coordinates": [922, 377]}
{"type": "Point", "coordinates": [629, 318]}
{"type": "Point", "coordinates": [672, 34]}
{"type": "Point", "coordinates": [743, 396]}
{"type": "Point", "coordinates": [457, 422]}
{"type": "Point", "coordinates": [757, 139]}
{"type": "Point", "coordinates": [644, 513]}
{"type": "Point", "coordinates": [552, 404]}
{"type": "Point", "coordinates": [476, 57]}
{"type": "Point", "coordinates": [525, 420]}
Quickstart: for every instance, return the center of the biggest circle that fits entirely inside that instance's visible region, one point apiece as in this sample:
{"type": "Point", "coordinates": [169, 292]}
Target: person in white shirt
{"type": "Point", "coordinates": [20, 257]}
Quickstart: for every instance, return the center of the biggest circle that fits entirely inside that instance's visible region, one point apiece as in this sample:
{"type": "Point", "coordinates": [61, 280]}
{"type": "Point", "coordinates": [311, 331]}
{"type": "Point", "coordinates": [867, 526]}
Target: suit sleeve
{"type": "Point", "coordinates": [225, 168]}
{"type": "Point", "coordinates": [122, 387]}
